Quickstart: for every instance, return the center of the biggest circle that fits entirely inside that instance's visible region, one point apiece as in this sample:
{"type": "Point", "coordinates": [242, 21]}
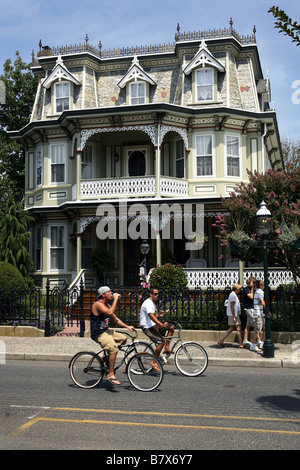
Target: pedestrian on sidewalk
{"type": "Point", "coordinates": [248, 292]}
{"type": "Point", "coordinates": [233, 314]}
{"type": "Point", "coordinates": [259, 317]}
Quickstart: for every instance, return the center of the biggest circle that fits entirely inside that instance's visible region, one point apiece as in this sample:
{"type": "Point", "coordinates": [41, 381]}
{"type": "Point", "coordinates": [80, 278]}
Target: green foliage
{"type": "Point", "coordinates": [286, 25]}
{"type": "Point", "coordinates": [280, 191]}
{"type": "Point", "coordinates": [10, 277]}
{"type": "Point", "coordinates": [14, 236]}
{"type": "Point", "coordinates": [20, 88]}
{"type": "Point", "coordinates": [169, 277]}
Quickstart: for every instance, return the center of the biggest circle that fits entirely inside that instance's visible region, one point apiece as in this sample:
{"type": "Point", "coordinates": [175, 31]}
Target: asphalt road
{"type": "Point", "coordinates": [226, 408]}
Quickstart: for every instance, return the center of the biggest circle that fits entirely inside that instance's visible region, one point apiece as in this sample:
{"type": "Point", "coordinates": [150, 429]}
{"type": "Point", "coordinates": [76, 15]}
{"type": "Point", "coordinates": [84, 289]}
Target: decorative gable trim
{"type": "Point", "coordinates": [203, 58]}
{"type": "Point", "coordinates": [134, 73]}
{"type": "Point", "coordinates": [60, 72]}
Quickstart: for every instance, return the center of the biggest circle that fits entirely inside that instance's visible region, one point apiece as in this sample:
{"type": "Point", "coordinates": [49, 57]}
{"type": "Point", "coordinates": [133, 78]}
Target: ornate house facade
{"type": "Point", "coordinates": [140, 127]}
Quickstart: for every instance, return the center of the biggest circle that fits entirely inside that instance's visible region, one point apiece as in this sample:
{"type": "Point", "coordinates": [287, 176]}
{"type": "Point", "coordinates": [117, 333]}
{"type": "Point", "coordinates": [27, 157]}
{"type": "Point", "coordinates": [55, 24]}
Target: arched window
{"type": "Point", "coordinates": [137, 163]}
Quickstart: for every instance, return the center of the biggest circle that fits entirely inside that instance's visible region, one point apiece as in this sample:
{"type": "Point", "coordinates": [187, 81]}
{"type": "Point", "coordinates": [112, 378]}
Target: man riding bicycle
{"type": "Point", "coordinates": [152, 326]}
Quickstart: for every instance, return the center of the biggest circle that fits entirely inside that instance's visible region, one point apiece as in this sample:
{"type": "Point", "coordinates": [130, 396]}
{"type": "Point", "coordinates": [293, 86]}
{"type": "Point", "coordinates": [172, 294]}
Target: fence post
{"type": "Point", "coordinates": [47, 321]}
{"type": "Point", "coordinates": [82, 323]}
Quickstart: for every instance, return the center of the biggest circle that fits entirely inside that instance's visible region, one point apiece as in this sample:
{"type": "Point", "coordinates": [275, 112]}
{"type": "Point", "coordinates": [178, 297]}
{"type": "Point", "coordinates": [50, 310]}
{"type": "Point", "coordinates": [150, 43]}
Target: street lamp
{"type": "Point", "coordinates": [263, 223]}
{"type": "Point", "coordinates": [145, 248]}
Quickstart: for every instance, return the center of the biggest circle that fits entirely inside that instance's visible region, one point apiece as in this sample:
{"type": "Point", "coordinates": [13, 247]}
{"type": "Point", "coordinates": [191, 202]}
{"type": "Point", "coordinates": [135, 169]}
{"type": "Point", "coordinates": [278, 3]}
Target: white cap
{"type": "Point", "coordinates": [102, 290]}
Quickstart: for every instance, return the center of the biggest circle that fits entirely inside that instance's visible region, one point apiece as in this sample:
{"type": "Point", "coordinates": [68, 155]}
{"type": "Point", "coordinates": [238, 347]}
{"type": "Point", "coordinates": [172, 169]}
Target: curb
{"type": "Point", "coordinates": [212, 361]}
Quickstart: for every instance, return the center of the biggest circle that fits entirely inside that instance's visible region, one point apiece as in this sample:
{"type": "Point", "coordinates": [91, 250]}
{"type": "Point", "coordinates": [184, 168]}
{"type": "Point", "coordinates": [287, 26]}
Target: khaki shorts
{"type": "Point", "coordinates": [259, 324]}
{"type": "Point", "coordinates": [110, 340]}
{"type": "Point", "coordinates": [232, 323]}
{"type": "Point", "coordinates": [249, 315]}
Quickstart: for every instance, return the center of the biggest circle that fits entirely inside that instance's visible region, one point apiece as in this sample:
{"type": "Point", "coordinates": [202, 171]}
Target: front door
{"type": "Point", "coordinates": [131, 250]}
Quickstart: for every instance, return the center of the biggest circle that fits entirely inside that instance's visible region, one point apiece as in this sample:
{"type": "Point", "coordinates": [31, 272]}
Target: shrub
{"type": "Point", "coordinates": [10, 277]}
{"type": "Point", "coordinates": [169, 277]}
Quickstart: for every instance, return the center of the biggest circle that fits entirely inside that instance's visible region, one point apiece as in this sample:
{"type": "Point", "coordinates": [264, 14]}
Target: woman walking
{"type": "Point", "coordinates": [233, 314]}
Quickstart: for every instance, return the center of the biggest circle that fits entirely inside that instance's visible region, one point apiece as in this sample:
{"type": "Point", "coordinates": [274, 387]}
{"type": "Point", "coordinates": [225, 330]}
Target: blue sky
{"type": "Point", "coordinates": [120, 23]}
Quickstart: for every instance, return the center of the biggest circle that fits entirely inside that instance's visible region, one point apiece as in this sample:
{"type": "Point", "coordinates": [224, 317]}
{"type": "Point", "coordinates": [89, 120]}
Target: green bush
{"type": "Point", "coordinates": [169, 276]}
{"type": "Point", "coordinates": [10, 277]}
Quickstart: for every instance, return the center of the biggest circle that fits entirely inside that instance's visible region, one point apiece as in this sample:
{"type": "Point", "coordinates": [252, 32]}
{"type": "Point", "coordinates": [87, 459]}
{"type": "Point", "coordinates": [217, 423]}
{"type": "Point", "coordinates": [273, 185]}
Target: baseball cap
{"type": "Point", "coordinates": [102, 290]}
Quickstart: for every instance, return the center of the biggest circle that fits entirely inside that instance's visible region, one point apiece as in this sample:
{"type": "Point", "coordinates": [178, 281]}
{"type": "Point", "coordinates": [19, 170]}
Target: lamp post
{"type": "Point", "coordinates": [145, 248]}
{"type": "Point", "coordinates": [263, 223]}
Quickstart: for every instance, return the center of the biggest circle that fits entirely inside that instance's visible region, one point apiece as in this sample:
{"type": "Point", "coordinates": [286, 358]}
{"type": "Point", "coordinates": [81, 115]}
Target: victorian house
{"type": "Point", "coordinates": [137, 127]}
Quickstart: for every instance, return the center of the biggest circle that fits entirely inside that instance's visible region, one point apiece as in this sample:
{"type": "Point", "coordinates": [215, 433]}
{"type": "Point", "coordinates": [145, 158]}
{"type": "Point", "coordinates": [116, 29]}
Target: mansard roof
{"type": "Point", "coordinates": [60, 72]}
{"type": "Point", "coordinates": [135, 72]}
{"type": "Point", "coordinates": [203, 58]}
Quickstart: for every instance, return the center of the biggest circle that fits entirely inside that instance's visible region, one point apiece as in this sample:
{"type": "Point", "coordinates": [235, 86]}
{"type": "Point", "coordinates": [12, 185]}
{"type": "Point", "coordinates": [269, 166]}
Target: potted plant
{"type": "Point", "coordinates": [102, 262]}
{"type": "Point", "coordinates": [238, 240]}
{"type": "Point", "coordinates": [289, 237]}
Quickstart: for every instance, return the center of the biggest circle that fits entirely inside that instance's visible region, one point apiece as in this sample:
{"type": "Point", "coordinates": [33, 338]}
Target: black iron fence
{"type": "Point", "coordinates": [202, 309]}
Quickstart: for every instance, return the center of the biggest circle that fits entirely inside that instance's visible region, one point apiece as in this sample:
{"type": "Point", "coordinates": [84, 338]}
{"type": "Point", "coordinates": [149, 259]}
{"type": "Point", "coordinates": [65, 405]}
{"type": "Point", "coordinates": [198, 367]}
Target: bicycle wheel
{"type": "Point", "coordinates": [139, 346]}
{"type": "Point", "coordinates": [191, 359]}
{"type": "Point", "coordinates": [86, 369]}
{"type": "Point", "coordinates": [144, 372]}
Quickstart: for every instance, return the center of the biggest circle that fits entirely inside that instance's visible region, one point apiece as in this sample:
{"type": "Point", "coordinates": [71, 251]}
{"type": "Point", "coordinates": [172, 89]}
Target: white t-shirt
{"type": "Point", "coordinates": [147, 307]}
{"type": "Point", "coordinates": [233, 298]}
{"type": "Point", "coordinates": [258, 306]}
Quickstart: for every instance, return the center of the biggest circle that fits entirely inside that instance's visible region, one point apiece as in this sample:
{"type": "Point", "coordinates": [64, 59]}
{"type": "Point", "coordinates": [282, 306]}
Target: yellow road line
{"type": "Point", "coordinates": [156, 413]}
{"type": "Point", "coordinates": [121, 423]}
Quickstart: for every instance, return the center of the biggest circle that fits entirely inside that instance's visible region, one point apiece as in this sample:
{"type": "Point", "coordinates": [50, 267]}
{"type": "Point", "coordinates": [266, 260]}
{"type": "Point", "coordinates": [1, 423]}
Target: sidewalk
{"type": "Point", "coordinates": [63, 347]}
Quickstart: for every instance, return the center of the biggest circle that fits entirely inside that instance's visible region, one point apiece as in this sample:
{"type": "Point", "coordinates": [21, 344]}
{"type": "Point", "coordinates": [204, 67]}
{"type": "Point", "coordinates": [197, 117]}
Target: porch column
{"type": "Point", "coordinates": [78, 255]}
{"type": "Point", "coordinates": [157, 183]}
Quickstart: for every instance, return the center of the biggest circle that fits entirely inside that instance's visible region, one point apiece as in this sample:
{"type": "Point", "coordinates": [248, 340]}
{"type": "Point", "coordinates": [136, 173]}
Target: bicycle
{"type": "Point", "coordinates": [144, 371]}
{"type": "Point", "coordinates": [190, 358]}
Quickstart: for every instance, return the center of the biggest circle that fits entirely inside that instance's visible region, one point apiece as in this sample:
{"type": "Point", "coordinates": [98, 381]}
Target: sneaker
{"type": "Point", "coordinates": [253, 347]}
{"type": "Point", "coordinates": [260, 344]}
{"type": "Point", "coordinates": [247, 344]}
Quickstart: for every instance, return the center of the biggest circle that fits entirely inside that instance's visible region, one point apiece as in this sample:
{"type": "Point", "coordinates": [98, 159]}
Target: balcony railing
{"type": "Point", "coordinates": [219, 278]}
{"type": "Point", "coordinates": [132, 186]}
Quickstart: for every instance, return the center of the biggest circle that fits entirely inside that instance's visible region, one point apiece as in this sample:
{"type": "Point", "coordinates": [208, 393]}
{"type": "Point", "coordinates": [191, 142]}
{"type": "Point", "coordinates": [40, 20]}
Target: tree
{"type": "Point", "coordinates": [286, 25]}
{"type": "Point", "coordinates": [20, 88]}
{"type": "Point", "coordinates": [290, 152]}
{"type": "Point", "coordinates": [14, 236]}
{"type": "Point", "coordinates": [280, 191]}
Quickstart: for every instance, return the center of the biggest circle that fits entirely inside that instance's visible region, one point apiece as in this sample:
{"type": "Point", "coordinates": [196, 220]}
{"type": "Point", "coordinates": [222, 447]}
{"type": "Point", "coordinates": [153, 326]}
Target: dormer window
{"type": "Point", "coordinates": [137, 93]}
{"type": "Point", "coordinates": [204, 84]}
{"type": "Point", "coordinates": [62, 97]}
{"type": "Point", "coordinates": [61, 83]}
{"type": "Point", "coordinates": [204, 67]}
{"type": "Point", "coordinates": [137, 83]}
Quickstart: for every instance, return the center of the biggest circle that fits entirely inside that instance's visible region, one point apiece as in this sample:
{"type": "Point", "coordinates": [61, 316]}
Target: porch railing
{"type": "Point", "coordinates": [134, 186]}
{"type": "Point", "coordinates": [219, 278]}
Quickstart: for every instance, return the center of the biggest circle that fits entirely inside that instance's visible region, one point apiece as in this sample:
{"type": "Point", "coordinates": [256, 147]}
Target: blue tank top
{"type": "Point", "coordinates": [99, 324]}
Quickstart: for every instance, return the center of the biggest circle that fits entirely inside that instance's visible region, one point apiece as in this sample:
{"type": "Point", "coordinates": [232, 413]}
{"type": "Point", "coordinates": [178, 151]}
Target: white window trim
{"type": "Point", "coordinates": [183, 158]}
{"type": "Point", "coordinates": [38, 227]}
{"type": "Point", "coordinates": [145, 92]}
{"type": "Point", "coordinates": [212, 85]}
{"type": "Point", "coordinates": [213, 175]}
{"type": "Point", "coordinates": [61, 97]}
{"type": "Point", "coordinates": [64, 162]}
{"type": "Point", "coordinates": [65, 246]}
{"type": "Point", "coordinates": [239, 156]}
